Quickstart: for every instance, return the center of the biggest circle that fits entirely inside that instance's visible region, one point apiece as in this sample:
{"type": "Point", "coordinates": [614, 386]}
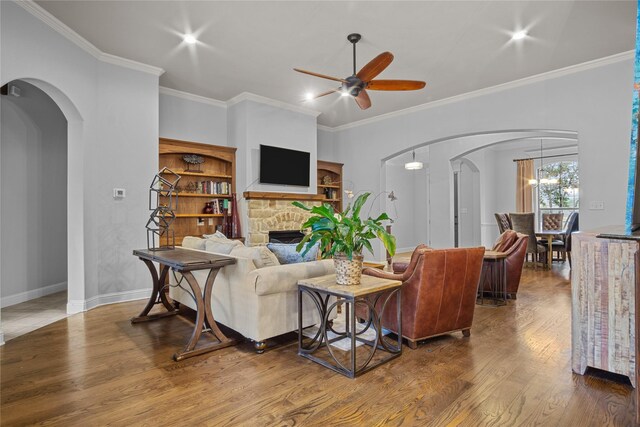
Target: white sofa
{"type": "Point", "coordinates": [259, 303]}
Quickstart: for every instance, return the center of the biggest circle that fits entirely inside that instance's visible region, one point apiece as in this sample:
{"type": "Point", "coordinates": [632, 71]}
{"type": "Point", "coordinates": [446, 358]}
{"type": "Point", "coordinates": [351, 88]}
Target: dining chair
{"type": "Point", "coordinates": [564, 246]}
{"type": "Point", "coordinates": [504, 222]}
{"type": "Point", "coordinates": [525, 223]}
{"type": "Point", "coordinates": [553, 221]}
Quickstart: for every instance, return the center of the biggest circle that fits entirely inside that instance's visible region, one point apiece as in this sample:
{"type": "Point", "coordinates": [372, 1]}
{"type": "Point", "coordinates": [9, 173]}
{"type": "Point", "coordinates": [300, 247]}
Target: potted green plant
{"type": "Point", "coordinates": [343, 236]}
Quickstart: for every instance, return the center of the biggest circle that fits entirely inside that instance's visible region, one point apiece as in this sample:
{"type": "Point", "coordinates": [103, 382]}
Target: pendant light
{"type": "Point", "coordinates": [534, 181]}
{"type": "Point", "coordinates": [413, 165]}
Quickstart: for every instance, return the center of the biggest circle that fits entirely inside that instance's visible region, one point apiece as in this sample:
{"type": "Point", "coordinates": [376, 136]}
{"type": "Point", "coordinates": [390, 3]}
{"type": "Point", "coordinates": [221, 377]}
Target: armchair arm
{"type": "Point", "coordinates": [381, 274]}
{"type": "Point", "coordinates": [399, 267]}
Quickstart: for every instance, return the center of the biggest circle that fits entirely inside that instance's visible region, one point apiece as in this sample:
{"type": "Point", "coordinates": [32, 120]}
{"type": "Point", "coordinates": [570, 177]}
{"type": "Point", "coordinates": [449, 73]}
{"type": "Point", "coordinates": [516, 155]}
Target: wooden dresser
{"type": "Point", "coordinates": [603, 286]}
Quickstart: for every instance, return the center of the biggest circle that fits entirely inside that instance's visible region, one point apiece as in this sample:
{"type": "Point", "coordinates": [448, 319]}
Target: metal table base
{"type": "Point", "coordinates": [321, 339]}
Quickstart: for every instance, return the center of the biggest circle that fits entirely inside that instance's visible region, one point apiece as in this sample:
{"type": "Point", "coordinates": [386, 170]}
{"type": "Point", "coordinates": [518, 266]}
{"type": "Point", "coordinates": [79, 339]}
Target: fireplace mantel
{"type": "Point", "coordinates": [262, 195]}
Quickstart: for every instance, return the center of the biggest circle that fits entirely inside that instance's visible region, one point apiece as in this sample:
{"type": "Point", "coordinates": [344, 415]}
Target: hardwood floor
{"type": "Point", "coordinates": [97, 369]}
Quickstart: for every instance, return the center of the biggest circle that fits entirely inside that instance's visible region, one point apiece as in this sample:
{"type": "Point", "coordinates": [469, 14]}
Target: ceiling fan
{"type": "Point", "coordinates": [356, 84]}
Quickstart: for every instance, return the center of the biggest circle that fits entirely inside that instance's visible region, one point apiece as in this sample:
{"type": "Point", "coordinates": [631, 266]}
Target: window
{"type": "Point", "coordinates": [560, 197]}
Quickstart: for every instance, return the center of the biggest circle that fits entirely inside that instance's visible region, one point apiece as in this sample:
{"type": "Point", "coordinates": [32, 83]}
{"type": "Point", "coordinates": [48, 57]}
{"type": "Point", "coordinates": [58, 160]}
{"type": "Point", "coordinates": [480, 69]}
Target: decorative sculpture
{"type": "Point", "coordinates": [162, 214]}
{"type": "Point", "coordinates": [193, 162]}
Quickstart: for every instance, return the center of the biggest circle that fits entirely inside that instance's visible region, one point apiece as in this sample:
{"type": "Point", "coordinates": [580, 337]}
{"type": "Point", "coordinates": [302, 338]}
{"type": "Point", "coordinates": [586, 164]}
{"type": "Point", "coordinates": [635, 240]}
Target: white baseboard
{"type": "Point", "coordinates": [78, 306]}
{"type": "Point", "coordinates": [9, 300]}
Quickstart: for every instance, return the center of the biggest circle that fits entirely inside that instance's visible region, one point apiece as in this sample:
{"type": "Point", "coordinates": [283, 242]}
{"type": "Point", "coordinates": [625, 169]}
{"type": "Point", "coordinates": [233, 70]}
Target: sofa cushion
{"type": "Point", "coordinates": [287, 254]}
{"type": "Point", "coordinates": [216, 235]}
{"type": "Point", "coordinates": [221, 246]}
{"type": "Point", "coordinates": [260, 255]}
{"type": "Point", "coordinates": [284, 278]}
{"type": "Point", "coordinates": [192, 242]}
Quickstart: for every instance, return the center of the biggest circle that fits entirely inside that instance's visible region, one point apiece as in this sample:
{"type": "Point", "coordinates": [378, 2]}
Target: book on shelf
{"type": "Point", "coordinates": [213, 187]}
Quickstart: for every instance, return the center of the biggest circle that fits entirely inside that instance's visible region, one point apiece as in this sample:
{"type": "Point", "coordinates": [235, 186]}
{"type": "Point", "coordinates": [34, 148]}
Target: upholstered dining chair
{"type": "Point", "coordinates": [564, 246]}
{"type": "Point", "coordinates": [504, 222]}
{"type": "Point", "coordinates": [553, 221]}
{"type": "Point", "coordinates": [515, 246]}
{"type": "Point", "coordinates": [438, 293]}
{"type": "Point", "coordinates": [524, 223]}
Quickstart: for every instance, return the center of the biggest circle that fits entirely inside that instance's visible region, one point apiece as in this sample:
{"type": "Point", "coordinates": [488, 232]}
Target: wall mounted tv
{"type": "Point", "coordinates": [284, 166]}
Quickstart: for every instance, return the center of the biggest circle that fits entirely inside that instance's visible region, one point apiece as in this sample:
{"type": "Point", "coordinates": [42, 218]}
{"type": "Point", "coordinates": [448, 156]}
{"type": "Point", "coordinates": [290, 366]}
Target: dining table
{"type": "Point", "coordinates": [550, 236]}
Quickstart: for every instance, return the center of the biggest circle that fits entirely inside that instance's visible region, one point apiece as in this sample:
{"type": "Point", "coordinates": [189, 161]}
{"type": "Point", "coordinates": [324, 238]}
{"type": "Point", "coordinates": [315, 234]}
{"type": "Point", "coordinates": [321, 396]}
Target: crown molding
{"type": "Point", "coordinates": [247, 96]}
{"type": "Point", "coordinates": [192, 97]}
{"type": "Point", "coordinates": [584, 66]}
{"type": "Point", "coordinates": [326, 128]}
{"type": "Point", "coordinates": [131, 64]}
{"type": "Point", "coordinates": [55, 24]}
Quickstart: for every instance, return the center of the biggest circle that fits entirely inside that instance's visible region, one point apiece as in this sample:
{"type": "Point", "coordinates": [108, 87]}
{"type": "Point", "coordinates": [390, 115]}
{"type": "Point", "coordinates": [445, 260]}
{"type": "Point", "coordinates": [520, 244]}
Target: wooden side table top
{"type": "Point", "coordinates": [368, 285]}
{"type": "Point", "coordinates": [184, 259]}
{"type": "Point", "coordinates": [378, 265]}
{"type": "Point", "coordinates": [494, 255]}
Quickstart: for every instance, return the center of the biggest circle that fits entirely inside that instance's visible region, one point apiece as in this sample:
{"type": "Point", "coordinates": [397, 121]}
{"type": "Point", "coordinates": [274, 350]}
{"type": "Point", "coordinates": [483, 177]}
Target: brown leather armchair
{"type": "Point", "coordinates": [438, 293]}
{"type": "Point", "coordinates": [515, 245]}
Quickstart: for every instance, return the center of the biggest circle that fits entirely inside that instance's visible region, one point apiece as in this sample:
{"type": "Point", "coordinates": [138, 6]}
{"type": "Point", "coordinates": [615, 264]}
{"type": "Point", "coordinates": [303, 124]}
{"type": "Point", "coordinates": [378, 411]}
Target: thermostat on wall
{"type": "Point", "coordinates": [119, 193]}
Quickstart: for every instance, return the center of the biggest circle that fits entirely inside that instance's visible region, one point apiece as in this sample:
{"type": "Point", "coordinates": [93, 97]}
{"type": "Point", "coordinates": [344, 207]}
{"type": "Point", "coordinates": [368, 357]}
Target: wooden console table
{"type": "Point", "coordinates": [184, 262]}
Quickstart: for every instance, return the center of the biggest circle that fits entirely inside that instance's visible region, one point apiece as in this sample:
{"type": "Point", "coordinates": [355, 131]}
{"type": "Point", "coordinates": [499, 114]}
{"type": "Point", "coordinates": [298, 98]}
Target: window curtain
{"type": "Point", "coordinates": [524, 192]}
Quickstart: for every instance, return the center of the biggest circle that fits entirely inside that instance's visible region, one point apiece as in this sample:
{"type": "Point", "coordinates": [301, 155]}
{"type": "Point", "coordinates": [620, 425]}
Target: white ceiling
{"type": "Point", "coordinates": [252, 46]}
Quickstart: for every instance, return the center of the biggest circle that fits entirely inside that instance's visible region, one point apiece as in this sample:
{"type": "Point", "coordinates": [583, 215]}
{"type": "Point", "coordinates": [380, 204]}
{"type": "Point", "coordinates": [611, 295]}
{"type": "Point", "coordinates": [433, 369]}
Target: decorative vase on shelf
{"type": "Point", "coordinates": [208, 208]}
{"type": "Point", "coordinates": [348, 271]}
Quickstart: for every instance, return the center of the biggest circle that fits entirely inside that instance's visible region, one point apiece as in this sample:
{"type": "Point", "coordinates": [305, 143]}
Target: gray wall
{"type": "Point", "coordinates": [112, 113]}
{"type": "Point", "coordinates": [594, 101]}
{"type": "Point", "coordinates": [33, 179]}
{"type": "Point", "coordinates": [194, 121]}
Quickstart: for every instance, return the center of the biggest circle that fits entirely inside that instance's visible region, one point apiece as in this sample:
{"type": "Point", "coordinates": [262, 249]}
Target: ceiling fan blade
{"type": "Point", "coordinates": [320, 75]}
{"type": "Point", "coordinates": [363, 100]}
{"type": "Point", "coordinates": [395, 85]}
{"type": "Point", "coordinates": [329, 92]}
{"type": "Point", "coordinates": [375, 66]}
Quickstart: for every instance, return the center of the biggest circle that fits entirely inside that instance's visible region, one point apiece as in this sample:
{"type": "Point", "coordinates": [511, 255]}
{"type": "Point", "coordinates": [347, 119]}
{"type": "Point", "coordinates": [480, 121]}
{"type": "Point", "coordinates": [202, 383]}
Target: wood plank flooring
{"type": "Point", "coordinates": [95, 369]}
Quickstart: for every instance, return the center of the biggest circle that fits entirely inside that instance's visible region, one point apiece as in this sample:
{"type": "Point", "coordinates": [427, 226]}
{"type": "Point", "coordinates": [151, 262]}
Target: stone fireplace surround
{"type": "Point", "coordinates": [275, 214]}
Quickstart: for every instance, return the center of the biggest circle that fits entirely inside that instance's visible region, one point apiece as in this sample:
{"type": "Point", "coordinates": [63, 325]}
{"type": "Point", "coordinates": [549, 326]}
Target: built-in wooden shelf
{"type": "Point", "coordinates": [199, 215]}
{"type": "Point", "coordinates": [281, 196]}
{"type": "Point", "coordinates": [203, 175]}
{"type": "Point", "coordinates": [330, 172]}
{"type": "Point", "coordinates": [209, 196]}
{"type": "Point", "coordinates": [218, 166]}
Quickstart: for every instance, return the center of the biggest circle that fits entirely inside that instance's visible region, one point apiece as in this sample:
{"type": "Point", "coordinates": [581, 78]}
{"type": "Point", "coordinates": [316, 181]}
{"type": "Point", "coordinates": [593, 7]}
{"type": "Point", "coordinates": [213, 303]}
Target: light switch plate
{"type": "Point", "coordinates": [596, 205]}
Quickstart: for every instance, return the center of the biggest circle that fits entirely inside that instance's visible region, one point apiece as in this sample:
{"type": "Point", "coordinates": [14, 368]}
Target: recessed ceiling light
{"type": "Point", "coordinates": [308, 96]}
{"type": "Point", "coordinates": [519, 35]}
{"type": "Point", "coordinates": [190, 39]}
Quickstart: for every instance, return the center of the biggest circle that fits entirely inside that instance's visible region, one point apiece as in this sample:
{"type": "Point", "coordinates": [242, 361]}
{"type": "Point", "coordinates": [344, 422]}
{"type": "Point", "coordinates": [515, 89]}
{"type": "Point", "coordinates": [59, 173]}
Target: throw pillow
{"type": "Point", "coordinates": [221, 246]}
{"type": "Point", "coordinates": [287, 254]}
{"type": "Point", "coordinates": [192, 242]}
{"type": "Point", "coordinates": [260, 255]}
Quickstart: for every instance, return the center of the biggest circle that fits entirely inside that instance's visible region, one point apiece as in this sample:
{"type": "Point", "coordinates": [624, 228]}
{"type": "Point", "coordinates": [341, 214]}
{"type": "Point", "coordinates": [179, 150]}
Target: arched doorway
{"type": "Point", "coordinates": [443, 153]}
{"type": "Point", "coordinates": [73, 183]}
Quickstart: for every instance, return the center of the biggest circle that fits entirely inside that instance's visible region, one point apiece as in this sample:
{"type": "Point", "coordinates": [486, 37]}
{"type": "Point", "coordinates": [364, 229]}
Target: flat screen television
{"type": "Point", "coordinates": [284, 166]}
